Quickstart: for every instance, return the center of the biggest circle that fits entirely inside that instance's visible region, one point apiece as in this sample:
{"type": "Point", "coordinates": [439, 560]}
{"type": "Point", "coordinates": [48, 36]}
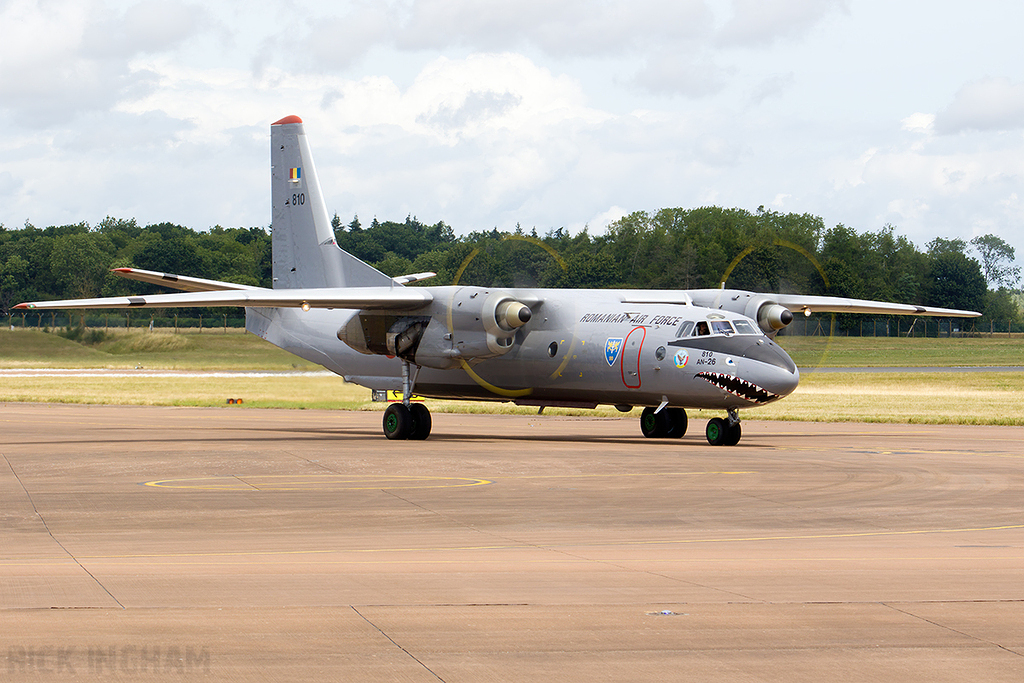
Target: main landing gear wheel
{"type": "Point", "coordinates": [670, 423]}
{"type": "Point", "coordinates": [421, 420]}
{"type": "Point", "coordinates": [398, 422]}
{"type": "Point", "coordinates": [406, 422]}
{"type": "Point", "coordinates": [721, 433]}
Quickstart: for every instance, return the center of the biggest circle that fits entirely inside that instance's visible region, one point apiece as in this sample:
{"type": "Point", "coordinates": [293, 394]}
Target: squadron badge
{"type": "Point", "coordinates": [611, 349]}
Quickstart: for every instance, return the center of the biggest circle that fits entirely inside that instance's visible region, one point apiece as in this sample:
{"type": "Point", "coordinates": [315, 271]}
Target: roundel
{"type": "Point", "coordinates": [681, 358]}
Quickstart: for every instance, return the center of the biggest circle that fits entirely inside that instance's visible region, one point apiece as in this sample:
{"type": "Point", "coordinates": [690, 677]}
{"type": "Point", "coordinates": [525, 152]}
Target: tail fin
{"type": "Point", "coordinates": [305, 252]}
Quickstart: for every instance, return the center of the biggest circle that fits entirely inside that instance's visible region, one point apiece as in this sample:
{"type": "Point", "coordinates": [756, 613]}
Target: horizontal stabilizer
{"type": "Point", "coordinates": [415, 277]}
{"type": "Point", "coordinates": [185, 284]}
{"type": "Point", "coordinates": [370, 298]}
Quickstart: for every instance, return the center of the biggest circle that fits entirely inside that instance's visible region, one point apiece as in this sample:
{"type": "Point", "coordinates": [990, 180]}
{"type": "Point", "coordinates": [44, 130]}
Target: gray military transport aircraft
{"type": "Point", "coordinates": [666, 350]}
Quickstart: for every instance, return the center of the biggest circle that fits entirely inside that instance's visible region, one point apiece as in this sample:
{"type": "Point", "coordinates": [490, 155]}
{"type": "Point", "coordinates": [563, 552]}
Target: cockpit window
{"type": "Point", "coordinates": [721, 327]}
{"type": "Point", "coordinates": [685, 329]}
{"type": "Point", "coordinates": [743, 327]}
{"type": "Point", "coordinates": [702, 329]}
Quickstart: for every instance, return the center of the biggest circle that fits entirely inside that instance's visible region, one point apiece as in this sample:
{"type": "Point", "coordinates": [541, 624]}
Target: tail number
{"type": "Point", "coordinates": [298, 199]}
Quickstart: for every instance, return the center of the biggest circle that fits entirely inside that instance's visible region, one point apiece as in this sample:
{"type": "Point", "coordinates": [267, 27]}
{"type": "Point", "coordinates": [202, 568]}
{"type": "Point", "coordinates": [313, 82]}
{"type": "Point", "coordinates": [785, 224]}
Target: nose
{"type": "Point", "coordinates": [785, 382]}
{"type": "Point", "coordinates": [765, 350]}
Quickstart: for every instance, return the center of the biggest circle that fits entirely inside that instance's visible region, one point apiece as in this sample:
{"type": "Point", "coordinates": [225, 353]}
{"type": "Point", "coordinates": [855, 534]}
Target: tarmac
{"type": "Point", "coordinates": [142, 543]}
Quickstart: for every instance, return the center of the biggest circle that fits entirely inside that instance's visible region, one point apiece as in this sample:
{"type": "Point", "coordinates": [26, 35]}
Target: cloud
{"type": "Point", "coordinates": [919, 123]}
{"type": "Point", "coordinates": [570, 27]}
{"type": "Point", "coordinates": [773, 86]}
{"type": "Point", "coordinates": [150, 26]}
{"type": "Point", "coordinates": [757, 23]}
{"type": "Point", "coordinates": [663, 32]}
{"type": "Point", "coordinates": [988, 104]}
{"type": "Point", "coordinates": [673, 73]}
{"type": "Point", "coordinates": [64, 57]}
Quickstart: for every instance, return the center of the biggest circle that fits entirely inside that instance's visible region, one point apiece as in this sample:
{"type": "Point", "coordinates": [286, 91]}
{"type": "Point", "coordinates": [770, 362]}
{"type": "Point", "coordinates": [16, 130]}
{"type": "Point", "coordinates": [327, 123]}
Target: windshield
{"type": "Point", "coordinates": [721, 327]}
{"type": "Point", "coordinates": [743, 327]}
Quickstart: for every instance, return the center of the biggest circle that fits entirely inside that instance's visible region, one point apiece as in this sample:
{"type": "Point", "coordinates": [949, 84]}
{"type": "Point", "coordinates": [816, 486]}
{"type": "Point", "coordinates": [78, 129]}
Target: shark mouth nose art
{"type": "Point", "coordinates": [738, 387]}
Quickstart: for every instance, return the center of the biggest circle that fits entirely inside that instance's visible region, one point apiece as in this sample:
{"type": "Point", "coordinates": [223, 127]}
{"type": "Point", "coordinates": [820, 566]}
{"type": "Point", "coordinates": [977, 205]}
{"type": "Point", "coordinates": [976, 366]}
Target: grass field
{"type": "Point", "coordinates": [960, 398]}
{"type": "Point", "coordinates": [159, 350]}
{"type": "Point", "coordinates": [847, 352]}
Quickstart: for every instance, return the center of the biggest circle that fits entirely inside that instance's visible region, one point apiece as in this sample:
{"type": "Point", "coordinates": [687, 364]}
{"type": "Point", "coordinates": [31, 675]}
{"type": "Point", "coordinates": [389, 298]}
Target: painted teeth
{"type": "Point", "coordinates": [738, 387]}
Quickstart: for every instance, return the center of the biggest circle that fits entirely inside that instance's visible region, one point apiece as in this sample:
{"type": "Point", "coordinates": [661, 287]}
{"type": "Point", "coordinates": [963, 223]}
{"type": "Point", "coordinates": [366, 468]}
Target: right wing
{"type": "Point", "coordinates": [799, 303]}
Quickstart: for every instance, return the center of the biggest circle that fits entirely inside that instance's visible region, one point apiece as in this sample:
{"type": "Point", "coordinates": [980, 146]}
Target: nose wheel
{"type": "Point", "coordinates": [724, 432]}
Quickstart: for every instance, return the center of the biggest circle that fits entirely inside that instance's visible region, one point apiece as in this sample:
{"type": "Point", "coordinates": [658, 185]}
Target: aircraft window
{"type": "Point", "coordinates": [685, 329]}
{"type": "Point", "coordinates": [702, 329]}
{"type": "Point", "coordinates": [721, 327]}
{"type": "Point", "coordinates": [660, 353]}
{"type": "Point", "coordinates": [743, 327]}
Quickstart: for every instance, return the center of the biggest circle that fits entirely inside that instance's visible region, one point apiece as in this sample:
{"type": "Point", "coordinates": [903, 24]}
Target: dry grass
{"type": "Point", "coordinates": [158, 350]}
{"type": "Point", "coordinates": [942, 398]}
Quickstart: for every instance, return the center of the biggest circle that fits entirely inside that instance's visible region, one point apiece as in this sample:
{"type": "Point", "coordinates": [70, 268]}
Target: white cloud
{"type": "Point", "coordinates": [919, 123]}
{"type": "Point", "coordinates": [64, 57]}
{"type": "Point", "coordinates": [762, 22]}
{"type": "Point", "coordinates": [985, 104]}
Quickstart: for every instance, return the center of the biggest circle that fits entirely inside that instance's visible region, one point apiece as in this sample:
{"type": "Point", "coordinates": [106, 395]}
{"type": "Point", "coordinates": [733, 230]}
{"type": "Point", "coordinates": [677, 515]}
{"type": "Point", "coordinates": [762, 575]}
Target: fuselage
{"type": "Point", "coordinates": [581, 348]}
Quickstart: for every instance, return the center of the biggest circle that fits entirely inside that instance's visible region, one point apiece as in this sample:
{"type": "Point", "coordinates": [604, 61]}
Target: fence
{"type": "Point", "coordinates": [904, 326]}
{"type": "Point", "coordinates": [818, 325]}
{"type": "Point", "coordinates": [58, 319]}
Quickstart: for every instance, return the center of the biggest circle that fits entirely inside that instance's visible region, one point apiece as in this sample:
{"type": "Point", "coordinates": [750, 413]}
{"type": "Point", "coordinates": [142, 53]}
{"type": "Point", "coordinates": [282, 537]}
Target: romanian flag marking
{"type": "Point", "coordinates": [294, 173]}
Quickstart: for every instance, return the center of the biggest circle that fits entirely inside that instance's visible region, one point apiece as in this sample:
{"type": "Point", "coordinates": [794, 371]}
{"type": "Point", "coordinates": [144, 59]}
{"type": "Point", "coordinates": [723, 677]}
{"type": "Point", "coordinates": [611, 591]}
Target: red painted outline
{"type": "Point", "coordinates": [622, 358]}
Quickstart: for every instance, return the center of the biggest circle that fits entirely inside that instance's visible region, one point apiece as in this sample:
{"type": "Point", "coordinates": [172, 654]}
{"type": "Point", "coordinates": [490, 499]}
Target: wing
{"type": "Point", "coordinates": [185, 284]}
{"type": "Point", "coordinates": [830, 304]}
{"type": "Point", "coordinates": [371, 298]}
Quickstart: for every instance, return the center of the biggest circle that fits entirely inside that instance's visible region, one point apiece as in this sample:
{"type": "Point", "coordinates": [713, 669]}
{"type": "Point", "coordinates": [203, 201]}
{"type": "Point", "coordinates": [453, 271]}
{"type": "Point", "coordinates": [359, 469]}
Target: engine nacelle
{"type": "Point", "coordinates": [769, 314]}
{"type": "Point", "coordinates": [773, 317]}
{"type": "Point", "coordinates": [471, 324]}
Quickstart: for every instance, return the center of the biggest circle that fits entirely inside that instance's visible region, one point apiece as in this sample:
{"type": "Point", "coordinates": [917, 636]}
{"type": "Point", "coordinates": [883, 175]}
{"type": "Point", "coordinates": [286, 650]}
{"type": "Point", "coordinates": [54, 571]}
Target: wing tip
{"type": "Point", "coordinates": [22, 306]}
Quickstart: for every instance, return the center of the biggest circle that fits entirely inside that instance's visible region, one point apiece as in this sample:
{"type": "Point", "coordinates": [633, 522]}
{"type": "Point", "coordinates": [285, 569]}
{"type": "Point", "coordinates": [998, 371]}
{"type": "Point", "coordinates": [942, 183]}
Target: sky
{"type": "Point", "coordinates": [484, 113]}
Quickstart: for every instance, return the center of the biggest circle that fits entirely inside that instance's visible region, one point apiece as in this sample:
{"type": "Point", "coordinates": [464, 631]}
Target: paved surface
{"type": "Point", "coordinates": [231, 544]}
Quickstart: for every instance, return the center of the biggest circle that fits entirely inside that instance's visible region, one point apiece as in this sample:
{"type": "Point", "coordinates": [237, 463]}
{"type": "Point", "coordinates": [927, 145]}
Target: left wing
{"type": "Point", "coordinates": [259, 297]}
{"type": "Point", "coordinates": [182, 282]}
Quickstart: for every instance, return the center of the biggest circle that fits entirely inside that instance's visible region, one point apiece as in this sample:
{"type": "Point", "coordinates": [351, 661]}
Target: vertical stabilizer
{"type": "Point", "coordinates": [305, 252]}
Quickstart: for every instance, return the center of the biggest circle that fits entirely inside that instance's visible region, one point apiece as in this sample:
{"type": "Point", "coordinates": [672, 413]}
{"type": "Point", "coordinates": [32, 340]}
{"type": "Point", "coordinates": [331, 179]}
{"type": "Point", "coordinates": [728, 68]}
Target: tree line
{"type": "Point", "coordinates": [671, 248]}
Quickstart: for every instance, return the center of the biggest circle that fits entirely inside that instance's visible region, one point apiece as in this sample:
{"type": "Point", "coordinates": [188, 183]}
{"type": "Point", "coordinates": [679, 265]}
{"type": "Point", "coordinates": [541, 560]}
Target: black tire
{"type": "Point", "coordinates": [732, 434]}
{"type": "Point", "coordinates": [716, 431]}
{"type": "Point", "coordinates": [421, 421]}
{"type": "Point", "coordinates": [653, 425]}
{"type": "Point", "coordinates": [398, 422]}
{"type": "Point", "coordinates": [677, 423]}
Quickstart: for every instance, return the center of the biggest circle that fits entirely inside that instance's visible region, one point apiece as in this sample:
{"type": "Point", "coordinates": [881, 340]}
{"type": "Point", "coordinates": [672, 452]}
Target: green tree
{"type": "Point", "coordinates": [996, 261]}
{"type": "Point", "coordinates": [956, 281]}
{"type": "Point", "coordinates": [79, 265]}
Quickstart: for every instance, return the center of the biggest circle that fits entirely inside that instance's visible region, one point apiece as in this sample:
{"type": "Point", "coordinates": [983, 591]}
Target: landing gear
{"type": "Point", "coordinates": [407, 420]}
{"type": "Point", "coordinates": [724, 432]}
{"type": "Point", "coordinates": [398, 422]}
{"type": "Point", "coordinates": [670, 423]}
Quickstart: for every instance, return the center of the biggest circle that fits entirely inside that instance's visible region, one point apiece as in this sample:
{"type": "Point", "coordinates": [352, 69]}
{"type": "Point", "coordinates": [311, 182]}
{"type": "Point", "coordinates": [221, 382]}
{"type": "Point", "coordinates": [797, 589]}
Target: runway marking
{"type": "Point", "coordinates": [530, 546]}
{"type": "Point", "coordinates": [619, 474]}
{"type": "Point", "coordinates": [316, 482]}
{"type": "Point", "coordinates": [333, 482]}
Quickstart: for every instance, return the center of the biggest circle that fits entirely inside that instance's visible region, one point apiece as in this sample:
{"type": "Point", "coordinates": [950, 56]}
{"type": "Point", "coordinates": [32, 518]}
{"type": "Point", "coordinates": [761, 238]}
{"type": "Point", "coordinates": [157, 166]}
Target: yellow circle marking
{"type": "Point", "coordinates": [779, 242]}
{"type": "Point", "coordinates": [316, 482]}
{"type": "Point", "coordinates": [493, 388]}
